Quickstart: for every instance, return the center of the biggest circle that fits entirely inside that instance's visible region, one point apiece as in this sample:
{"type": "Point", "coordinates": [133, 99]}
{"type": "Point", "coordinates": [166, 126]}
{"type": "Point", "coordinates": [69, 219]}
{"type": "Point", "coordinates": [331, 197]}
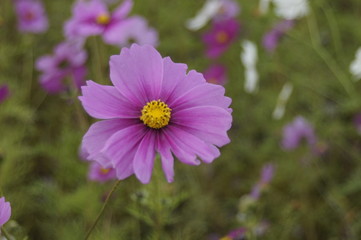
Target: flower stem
{"type": "Point", "coordinates": [102, 210]}
{"type": "Point", "coordinates": [5, 233]}
{"type": "Point", "coordinates": [74, 92]}
{"type": "Point", "coordinates": [327, 58]}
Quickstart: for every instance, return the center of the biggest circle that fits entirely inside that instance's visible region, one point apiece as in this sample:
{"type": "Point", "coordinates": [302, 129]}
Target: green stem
{"type": "Point", "coordinates": [5, 233]}
{"type": "Point", "coordinates": [334, 29]}
{"type": "Point", "coordinates": [102, 210]}
{"type": "Point", "coordinates": [96, 60]}
{"type": "Point", "coordinates": [74, 91]}
{"type": "Point", "coordinates": [329, 61]}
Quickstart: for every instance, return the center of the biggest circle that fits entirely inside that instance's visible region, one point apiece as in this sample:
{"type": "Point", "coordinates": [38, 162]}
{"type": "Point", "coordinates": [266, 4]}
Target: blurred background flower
{"type": "Point", "coordinates": [63, 70]}
{"type": "Point", "coordinates": [216, 74]}
{"type": "Point", "coordinates": [219, 38]}
{"type": "Point", "coordinates": [4, 92]}
{"type": "Point", "coordinates": [31, 16]}
{"type": "Point", "coordinates": [296, 131]}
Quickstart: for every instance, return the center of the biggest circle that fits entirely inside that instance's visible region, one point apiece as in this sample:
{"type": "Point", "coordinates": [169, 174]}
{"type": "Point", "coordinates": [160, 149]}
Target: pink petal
{"type": "Point", "coordinates": [46, 62]}
{"type": "Point", "coordinates": [209, 123]}
{"type": "Point", "coordinates": [144, 158]}
{"type": "Point", "coordinates": [174, 73]}
{"type": "Point", "coordinates": [205, 94]}
{"type": "Point", "coordinates": [166, 157]}
{"type": "Point", "coordinates": [97, 135]}
{"type": "Point", "coordinates": [123, 10]}
{"type": "Point", "coordinates": [105, 102]}
{"type": "Point", "coordinates": [5, 211]}
{"type": "Point", "coordinates": [180, 149]}
{"type": "Point", "coordinates": [124, 168]}
{"type": "Point", "coordinates": [191, 80]}
{"type": "Point", "coordinates": [133, 28]}
{"type": "Point", "coordinates": [122, 146]}
{"type": "Point", "coordinates": [192, 144]}
{"type": "Point", "coordinates": [138, 73]}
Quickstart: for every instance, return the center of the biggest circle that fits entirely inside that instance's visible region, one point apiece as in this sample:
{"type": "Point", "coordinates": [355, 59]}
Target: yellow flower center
{"type": "Point", "coordinates": [103, 19]}
{"type": "Point", "coordinates": [221, 37]}
{"type": "Point", "coordinates": [104, 170]}
{"type": "Point", "coordinates": [156, 114]}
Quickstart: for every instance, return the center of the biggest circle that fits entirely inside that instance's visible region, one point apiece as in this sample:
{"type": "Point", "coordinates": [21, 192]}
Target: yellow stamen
{"type": "Point", "coordinates": [156, 114]}
{"type": "Point", "coordinates": [104, 170]}
{"type": "Point", "coordinates": [103, 19]}
{"type": "Point", "coordinates": [221, 37]}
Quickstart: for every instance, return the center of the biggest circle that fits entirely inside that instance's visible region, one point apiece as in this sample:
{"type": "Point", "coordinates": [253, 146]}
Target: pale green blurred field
{"type": "Point", "coordinates": [311, 197]}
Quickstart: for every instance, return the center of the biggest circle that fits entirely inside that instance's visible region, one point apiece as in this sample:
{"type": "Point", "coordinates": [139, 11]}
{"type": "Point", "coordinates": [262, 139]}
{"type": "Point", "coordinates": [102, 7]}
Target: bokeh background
{"type": "Point", "coordinates": [315, 190]}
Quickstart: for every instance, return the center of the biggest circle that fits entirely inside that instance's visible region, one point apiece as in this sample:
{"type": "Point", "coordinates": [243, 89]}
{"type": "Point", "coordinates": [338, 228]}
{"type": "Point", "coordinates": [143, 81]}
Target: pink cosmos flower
{"type": "Point", "coordinates": [93, 18]}
{"type": "Point", "coordinates": [220, 37]}
{"type": "Point", "coordinates": [155, 106]}
{"type": "Point", "coordinates": [296, 131]}
{"type": "Point", "coordinates": [67, 64]}
{"type": "Point", "coordinates": [133, 30]}
{"type": "Point", "coordinates": [99, 174]}
{"type": "Point", "coordinates": [5, 211]}
{"type": "Point", "coordinates": [31, 16]}
{"type": "Point", "coordinates": [216, 74]}
{"type": "Point", "coordinates": [266, 177]}
{"type": "Point", "coordinates": [273, 37]}
{"type": "Point", "coordinates": [267, 173]}
{"type": "Point", "coordinates": [228, 9]}
{"type": "Point", "coordinates": [4, 92]}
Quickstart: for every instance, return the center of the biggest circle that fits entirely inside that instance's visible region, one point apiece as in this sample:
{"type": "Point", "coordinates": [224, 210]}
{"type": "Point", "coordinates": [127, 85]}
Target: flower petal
{"type": "Point", "coordinates": [5, 211]}
{"type": "Point", "coordinates": [210, 123]}
{"type": "Point", "coordinates": [105, 102]}
{"type": "Point", "coordinates": [123, 10]}
{"type": "Point", "coordinates": [45, 62]}
{"type": "Point", "coordinates": [174, 74]}
{"type": "Point", "coordinates": [144, 158]}
{"type": "Point", "coordinates": [205, 94]}
{"type": "Point", "coordinates": [133, 28]}
{"type": "Point", "coordinates": [192, 144]}
{"type": "Point", "coordinates": [166, 157]}
{"type": "Point", "coordinates": [97, 135]}
{"type": "Point", "coordinates": [122, 146]}
{"type": "Point", "coordinates": [191, 80]}
{"type": "Point", "coordinates": [179, 149]}
{"type": "Point", "coordinates": [138, 73]}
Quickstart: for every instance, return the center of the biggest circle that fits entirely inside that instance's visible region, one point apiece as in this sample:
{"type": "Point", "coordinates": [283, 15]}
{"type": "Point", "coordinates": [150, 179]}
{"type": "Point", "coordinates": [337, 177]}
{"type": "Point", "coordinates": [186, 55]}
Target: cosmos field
{"type": "Point", "coordinates": [251, 129]}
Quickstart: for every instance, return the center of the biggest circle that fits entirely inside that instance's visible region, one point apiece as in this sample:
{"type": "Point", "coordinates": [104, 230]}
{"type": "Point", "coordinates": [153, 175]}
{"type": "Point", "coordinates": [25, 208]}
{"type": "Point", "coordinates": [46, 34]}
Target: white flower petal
{"type": "Point", "coordinates": [355, 66]}
{"type": "Point", "coordinates": [264, 6]}
{"type": "Point", "coordinates": [208, 11]}
{"type": "Point", "coordinates": [249, 60]}
{"type": "Point", "coordinates": [291, 9]}
{"type": "Point", "coordinates": [282, 101]}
